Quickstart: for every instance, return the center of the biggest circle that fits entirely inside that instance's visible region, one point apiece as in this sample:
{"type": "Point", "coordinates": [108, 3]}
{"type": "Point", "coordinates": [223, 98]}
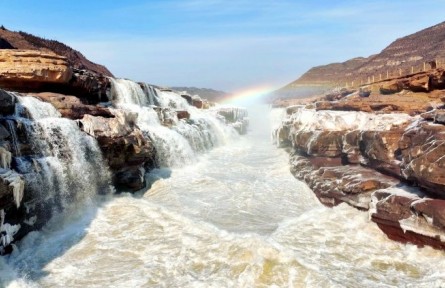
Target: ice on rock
{"type": "Point", "coordinates": [16, 182]}
{"type": "Point", "coordinates": [5, 158]}
{"type": "Point", "coordinates": [7, 231]}
{"type": "Point", "coordinates": [309, 119]}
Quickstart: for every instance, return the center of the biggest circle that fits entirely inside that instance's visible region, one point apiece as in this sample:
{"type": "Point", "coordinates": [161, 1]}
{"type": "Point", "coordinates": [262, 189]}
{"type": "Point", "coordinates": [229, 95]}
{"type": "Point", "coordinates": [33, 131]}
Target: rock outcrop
{"type": "Point", "coordinates": [26, 41]}
{"type": "Point", "coordinates": [36, 71]}
{"type": "Point", "coordinates": [409, 217]}
{"type": "Point", "coordinates": [388, 163]}
{"type": "Point", "coordinates": [28, 67]}
{"type": "Point", "coordinates": [71, 106]}
{"type": "Point", "coordinates": [127, 152]}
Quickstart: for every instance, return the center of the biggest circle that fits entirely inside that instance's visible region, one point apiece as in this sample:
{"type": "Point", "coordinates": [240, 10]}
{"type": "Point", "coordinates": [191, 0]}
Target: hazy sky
{"type": "Point", "coordinates": [227, 45]}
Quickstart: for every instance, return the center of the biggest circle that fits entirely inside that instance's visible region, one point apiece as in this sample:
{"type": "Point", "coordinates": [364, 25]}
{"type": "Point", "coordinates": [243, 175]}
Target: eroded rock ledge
{"type": "Point", "coordinates": [391, 165]}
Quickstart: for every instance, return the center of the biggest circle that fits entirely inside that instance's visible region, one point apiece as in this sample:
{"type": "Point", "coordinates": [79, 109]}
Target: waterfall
{"type": "Point", "coordinates": [176, 146]}
{"type": "Point", "coordinates": [177, 141]}
{"type": "Point", "coordinates": [67, 167]}
{"type": "Point", "coordinates": [124, 92]}
{"type": "Point", "coordinates": [169, 99]}
{"type": "Point", "coordinates": [150, 93]}
{"type": "Point", "coordinates": [36, 108]}
{"type": "Point", "coordinates": [14, 138]}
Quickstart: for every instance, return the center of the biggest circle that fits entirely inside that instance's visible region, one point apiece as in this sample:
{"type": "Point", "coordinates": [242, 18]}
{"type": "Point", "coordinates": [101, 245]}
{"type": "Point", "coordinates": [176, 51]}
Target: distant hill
{"type": "Point", "coordinates": [404, 53]}
{"type": "Point", "coordinates": [209, 94]}
{"type": "Point", "coordinates": [22, 40]}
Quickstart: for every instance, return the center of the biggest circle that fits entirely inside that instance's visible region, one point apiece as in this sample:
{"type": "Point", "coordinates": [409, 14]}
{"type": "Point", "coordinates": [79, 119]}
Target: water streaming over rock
{"type": "Point", "coordinates": [14, 138]}
{"type": "Point", "coordinates": [151, 93]}
{"type": "Point", "coordinates": [65, 169]}
{"type": "Point", "coordinates": [176, 141]}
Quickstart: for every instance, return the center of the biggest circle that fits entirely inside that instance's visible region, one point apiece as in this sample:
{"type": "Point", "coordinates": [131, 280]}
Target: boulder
{"type": "Point", "coordinates": [419, 83]}
{"type": "Point", "coordinates": [183, 114]}
{"type": "Point", "coordinates": [89, 86]}
{"type": "Point", "coordinates": [132, 179]}
{"type": "Point", "coordinates": [12, 186]}
{"type": "Point", "coordinates": [198, 103]}
{"type": "Point", "coordinates": [188, 98]}
{"type": "Point", "coordinates": [390, 87]}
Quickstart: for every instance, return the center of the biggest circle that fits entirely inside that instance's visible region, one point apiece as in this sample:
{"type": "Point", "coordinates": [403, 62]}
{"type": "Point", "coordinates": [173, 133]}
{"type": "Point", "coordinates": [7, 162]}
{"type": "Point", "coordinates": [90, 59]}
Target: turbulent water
{"type": "Point", "coordinates": [235, 218]}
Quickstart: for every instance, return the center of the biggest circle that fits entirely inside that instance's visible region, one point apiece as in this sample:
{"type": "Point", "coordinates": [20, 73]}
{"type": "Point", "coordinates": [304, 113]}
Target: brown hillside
{"type": "Point", "coordinates": [22, 40]}
{"type": "Point", "coordinates": [402, 55]}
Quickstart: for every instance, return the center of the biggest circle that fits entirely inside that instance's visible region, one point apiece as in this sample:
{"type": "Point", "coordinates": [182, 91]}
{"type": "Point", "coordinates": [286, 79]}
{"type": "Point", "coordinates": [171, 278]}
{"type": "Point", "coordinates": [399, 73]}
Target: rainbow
{"type": "Point", "coordinates": [248, 95]}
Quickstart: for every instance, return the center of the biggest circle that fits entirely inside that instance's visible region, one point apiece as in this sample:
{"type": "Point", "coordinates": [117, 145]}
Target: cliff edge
{"type": "Point", "coordinates": [25, 41]}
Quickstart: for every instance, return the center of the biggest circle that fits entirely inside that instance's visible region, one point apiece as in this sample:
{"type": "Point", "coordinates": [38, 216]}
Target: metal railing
{"type": "Point", "coordinates": [392, 74]}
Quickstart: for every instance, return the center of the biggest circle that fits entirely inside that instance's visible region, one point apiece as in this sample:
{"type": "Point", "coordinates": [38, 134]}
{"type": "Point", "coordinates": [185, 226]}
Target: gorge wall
{"type": "Point", "coordinates": [378, 153]}
{"type": "Point", "coordinates": [69, 132]}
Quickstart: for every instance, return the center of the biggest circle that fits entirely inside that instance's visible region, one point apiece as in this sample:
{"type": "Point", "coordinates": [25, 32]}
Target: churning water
{"type": "Point", "coordinates": [235, 218]}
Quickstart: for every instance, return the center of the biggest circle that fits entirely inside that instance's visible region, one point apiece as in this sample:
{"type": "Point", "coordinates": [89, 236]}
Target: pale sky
{"type": "Point", "coordinates": [225, 45]}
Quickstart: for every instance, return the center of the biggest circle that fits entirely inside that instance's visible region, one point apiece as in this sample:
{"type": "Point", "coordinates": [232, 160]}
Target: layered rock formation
{"type": "Point", "coordinates": [27, 67]}
{"type": "Point", "coordinates": [33, 64]}
{"type": "Point", "coordinates": [26, 41]}
{"type": "Point", "coordinates": [378, 154]}
{"type": "Point", "coordinates": [36, 71]}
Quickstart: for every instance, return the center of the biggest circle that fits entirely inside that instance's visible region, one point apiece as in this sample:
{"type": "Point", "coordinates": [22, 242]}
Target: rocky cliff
{"type": "Point", "coordinates": [25, 41]}
{"type": "Point", "coordinates": [403, 54]}
{"type": "Point", "coordinates": [381, 153]}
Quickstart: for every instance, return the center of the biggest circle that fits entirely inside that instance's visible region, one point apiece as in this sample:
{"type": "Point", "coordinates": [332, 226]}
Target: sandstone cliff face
{"type": "Point", "coordinates": [30, 66]}
{"type": "Point", "coordinates": [22, 40]}
{"type": "Point", "coordinates": [37, 71]}
{"type": "Point", "coordinates": [370, 161]}
{"type": "Point", "coordinates": [33, 64]}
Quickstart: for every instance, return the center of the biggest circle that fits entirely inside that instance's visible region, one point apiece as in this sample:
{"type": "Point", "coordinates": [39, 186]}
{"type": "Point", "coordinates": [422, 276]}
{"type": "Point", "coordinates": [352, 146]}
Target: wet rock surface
{"type": "Point", "coordinates": [125, 149]}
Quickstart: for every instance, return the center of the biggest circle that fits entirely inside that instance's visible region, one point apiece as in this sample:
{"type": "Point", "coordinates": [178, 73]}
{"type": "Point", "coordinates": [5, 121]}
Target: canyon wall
{"type": "Point", "coordinates": [381, 153]}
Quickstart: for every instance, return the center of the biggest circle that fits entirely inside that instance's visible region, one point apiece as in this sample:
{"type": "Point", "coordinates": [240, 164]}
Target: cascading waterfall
{"type": "Point", "coordinates": [68, 167]}
{"type": "Point", "coordinates": [36, 109]}
{"type": "Point", "coordinates": [151, 93]}
{"type": "Point", "coordinates": [14, 138]}
{"type": "Point", "coordinates": [176, 146]}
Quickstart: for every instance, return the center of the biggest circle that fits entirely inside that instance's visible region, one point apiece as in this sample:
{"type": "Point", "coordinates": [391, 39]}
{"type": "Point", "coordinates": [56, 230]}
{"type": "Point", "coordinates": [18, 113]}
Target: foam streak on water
{"type": "Point", "coordinates": [237, 218]}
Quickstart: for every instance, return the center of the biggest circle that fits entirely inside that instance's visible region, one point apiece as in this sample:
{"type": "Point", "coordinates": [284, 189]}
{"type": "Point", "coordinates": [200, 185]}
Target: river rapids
{"type": "Point", "coordinates": [235, 217]}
